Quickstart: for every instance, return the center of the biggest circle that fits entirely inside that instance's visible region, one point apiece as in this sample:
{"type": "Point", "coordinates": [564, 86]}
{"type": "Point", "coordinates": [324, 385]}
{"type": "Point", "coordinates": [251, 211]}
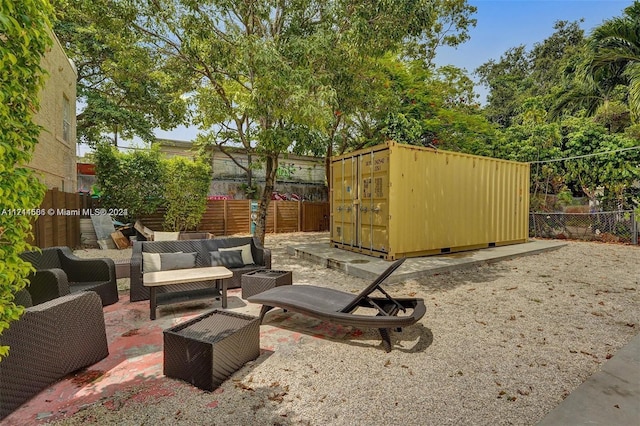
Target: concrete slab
{"type": "Point", "coordinates": [609, 397]}
{"type": "Point", "coordinates": [368, 267]}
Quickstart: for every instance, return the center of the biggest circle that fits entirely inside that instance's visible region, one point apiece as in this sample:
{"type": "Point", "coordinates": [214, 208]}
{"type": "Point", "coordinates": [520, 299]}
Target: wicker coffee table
{"type": "Point", "coordinates": [154, 280]}
{"type": "Point", "coordinates": [208, 349]}
{"type": "Point", "coordinates": [258, 281]}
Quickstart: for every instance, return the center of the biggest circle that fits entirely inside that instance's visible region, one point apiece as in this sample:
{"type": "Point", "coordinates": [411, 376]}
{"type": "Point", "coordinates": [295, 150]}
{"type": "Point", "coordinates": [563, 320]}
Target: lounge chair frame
{"type": "Point", "coordinates": [338, 306]}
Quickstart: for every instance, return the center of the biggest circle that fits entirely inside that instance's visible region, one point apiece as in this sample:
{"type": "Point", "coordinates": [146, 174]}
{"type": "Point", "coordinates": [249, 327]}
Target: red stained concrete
{"type": "Point", "coordinates": [134, 364]}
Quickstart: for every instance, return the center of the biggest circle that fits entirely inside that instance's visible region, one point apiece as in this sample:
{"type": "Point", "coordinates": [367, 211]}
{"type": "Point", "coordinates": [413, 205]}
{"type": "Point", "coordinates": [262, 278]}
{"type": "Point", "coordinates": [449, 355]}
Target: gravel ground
{"type": "Point", "coordinates": [500, 344]}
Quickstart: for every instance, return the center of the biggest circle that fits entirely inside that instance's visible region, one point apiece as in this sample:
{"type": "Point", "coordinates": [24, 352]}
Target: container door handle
{"type": "Point", "coordinates": [364, 209]}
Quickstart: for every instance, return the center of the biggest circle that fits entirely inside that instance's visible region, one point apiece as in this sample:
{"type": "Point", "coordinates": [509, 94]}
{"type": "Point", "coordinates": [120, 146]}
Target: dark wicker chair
{"type": "Point", "coordinates": [49, 341]}
{"type": "Point", "coordinates": [59, 271]}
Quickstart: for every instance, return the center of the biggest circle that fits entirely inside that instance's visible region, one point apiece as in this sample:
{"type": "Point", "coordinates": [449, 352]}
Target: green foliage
{"type": "Point", "coordinates": [614, 172]}
{"type": "Point", "coordinates": [520, 74]}
{"type": "Point", "coordinates": [410, 103]}
{"type": "Point", "coordinates": [614, 55]}
{"type": "Point", "coordinates": [250, 192]}
{"type": "Point", "coordinates": [24, 38]}
{"type": "Point", "coordinates": [131, 181]}
{"type": "Point", "coordinates": [452, 20]}
{"type": "Point", "coordinates": [141, 181]}
{"type": "Point", "coordinates": [571, 97]}
{"type": "Point", "coordinates": [262, 73]}
{"type": "Point", "coordinates": [186, 185]}
{"type": "Point", "coordinates": [125, 89]}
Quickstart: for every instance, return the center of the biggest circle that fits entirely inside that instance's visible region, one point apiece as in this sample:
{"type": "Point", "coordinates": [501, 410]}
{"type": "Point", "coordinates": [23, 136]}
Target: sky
{"type": "Point", "coordinates": [502, 24]}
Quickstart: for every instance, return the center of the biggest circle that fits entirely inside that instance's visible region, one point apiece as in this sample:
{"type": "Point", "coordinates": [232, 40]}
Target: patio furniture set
{"type": "Point", "coordinates": [63, 327]}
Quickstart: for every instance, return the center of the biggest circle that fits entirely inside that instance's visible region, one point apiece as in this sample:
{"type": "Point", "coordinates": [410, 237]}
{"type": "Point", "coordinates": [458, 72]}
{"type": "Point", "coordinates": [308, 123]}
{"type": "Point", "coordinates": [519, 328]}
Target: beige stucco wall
{"type": "Point", "coordinates": [54, 158]}
{"type": "Point", "coordinates": [302, 169]}
{"type": "Point", "coordinates": [305, 176]}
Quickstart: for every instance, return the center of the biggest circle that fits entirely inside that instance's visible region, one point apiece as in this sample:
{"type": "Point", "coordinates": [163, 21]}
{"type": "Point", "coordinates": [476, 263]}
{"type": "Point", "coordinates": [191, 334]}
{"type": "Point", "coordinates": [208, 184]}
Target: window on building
{"type": "Point", "coordinates": [66, 119]}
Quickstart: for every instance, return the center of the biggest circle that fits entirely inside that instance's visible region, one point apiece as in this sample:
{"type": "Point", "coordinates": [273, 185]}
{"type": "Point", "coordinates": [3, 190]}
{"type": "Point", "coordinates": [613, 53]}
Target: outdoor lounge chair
{"type": "Point", "coordinates": [51, 339]}
{"type": "Point", "coordinates": [338, 306]}
{"type": "Point", "coordinates": [60, 272]}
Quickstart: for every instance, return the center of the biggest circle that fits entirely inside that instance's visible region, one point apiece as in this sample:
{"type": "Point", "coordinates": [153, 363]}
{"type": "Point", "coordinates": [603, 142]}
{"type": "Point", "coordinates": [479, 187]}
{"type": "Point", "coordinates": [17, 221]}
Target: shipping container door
{"type": "Point", "coordinates": [373, 199]}
{"type": "Point", "coordinates": [345, 188]}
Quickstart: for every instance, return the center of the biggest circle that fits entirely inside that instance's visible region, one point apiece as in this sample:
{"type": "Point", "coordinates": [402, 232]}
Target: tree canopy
{"type": "Point", "coordinates": [324, 78]}
{"type": "Point", "coordinates": [124, 91]}
{"type": "Point", "coordinates": [572, 97]}
{"type": "Point", "coordinates": [273, 75]}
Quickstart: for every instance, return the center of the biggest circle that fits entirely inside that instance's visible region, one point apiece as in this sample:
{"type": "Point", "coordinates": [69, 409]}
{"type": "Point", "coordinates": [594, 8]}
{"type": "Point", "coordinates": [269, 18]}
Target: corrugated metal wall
{"type": "Point", "coordinates": [412, 201]}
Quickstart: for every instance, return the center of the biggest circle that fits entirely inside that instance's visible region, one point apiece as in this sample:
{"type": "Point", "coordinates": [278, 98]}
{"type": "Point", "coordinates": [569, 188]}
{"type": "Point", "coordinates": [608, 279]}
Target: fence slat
{"type": "Point", "coordinates": [229, 217]}
{"type": "Point", "coordinates": [60, 225]}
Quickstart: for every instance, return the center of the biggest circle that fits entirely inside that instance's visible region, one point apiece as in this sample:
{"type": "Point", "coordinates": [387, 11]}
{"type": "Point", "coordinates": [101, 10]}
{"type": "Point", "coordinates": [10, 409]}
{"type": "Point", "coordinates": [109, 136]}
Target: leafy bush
{"type": "Point", "coordinates": [186, 185]}
{"type": "Point", "coordinates": [130, 181]}
{"type": "Point", "coordinates": [141, 181]}
{"type": "Point", "coordinates": [24, 37]}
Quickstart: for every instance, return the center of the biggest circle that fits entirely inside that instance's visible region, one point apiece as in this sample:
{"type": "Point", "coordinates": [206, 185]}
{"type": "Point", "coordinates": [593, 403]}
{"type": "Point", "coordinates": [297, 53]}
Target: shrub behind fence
{"type": "Point", "coordinates": [618, 226]}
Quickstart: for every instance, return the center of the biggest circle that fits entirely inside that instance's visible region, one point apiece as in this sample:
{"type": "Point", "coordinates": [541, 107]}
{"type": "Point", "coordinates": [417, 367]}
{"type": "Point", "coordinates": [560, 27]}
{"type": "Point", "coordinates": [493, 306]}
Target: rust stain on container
{"type": "Point", "coordinates": [395, 200]}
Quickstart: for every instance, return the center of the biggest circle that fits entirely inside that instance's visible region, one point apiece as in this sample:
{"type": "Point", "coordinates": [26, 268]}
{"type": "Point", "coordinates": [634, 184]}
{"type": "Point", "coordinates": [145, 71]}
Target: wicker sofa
{"type": "Point", "coordinates": [50, 340]}
{"type": "Point", "coordinates": [203, 248]}
{"type": "Point", "coordinates": [59, 271]}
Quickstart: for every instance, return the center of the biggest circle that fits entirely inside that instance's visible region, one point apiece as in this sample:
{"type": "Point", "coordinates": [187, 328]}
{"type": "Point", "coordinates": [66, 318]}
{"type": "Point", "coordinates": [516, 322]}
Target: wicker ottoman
{"type": "Point", "coordinates": [208, 349]}
{"type": "Point", "coordinates": [258, 281]}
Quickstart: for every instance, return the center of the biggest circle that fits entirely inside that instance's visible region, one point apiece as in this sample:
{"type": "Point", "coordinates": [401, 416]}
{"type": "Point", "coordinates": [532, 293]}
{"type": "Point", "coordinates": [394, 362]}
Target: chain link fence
{"type": "Point", "coordinates": [618, 227]}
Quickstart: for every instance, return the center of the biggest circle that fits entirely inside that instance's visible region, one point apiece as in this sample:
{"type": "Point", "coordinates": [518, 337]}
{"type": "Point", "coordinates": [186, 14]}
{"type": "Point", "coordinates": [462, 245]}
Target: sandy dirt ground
{"type": "Point", "coordinates": [500, 344]}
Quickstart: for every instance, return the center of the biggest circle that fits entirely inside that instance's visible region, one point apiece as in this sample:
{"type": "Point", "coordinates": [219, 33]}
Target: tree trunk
{"type": "Point", "coordinates": [269, 184]}
{"type": "Point", "coordinates": [327, 165]}
{"type": "Point", "coordinates": [249, 172]}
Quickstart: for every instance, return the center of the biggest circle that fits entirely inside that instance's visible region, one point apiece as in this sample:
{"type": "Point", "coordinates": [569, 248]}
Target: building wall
{"type": "Point", "coordinates": [55, 154]}
{"type": "Point", "coordinates": [300, 175]}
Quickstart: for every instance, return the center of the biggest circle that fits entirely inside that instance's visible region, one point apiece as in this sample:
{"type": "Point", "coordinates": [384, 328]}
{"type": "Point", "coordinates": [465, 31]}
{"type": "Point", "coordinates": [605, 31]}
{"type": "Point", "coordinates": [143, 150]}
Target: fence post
{"type": "Point", "coordinates": [72, 201]}
{"type": "Point", "coordinates": [275, 217]}
{"type": "Point", "coordinates": [41, 223]}
{"type": "Point", "coordinates": [224, 216]}
{"type": "Point", "coordinates": [54, 218]}
{"type": "Point", "coordinates": [634, 227]}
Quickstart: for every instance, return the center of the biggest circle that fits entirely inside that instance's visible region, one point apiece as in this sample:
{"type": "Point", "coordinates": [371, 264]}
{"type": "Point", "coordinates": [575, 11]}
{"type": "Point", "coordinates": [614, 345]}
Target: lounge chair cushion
{"type": "Point", "coordinates": [228, 258]}
{"type": "Point", "coordinates": [247, 257]}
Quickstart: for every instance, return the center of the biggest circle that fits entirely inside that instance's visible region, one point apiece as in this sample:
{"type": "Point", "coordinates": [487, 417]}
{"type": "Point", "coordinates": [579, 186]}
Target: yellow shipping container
{"type": "Point", "coordinates": [395, 200]}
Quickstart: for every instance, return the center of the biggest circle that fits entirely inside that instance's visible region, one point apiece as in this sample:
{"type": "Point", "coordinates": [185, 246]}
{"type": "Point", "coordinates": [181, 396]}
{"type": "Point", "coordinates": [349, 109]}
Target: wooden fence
{"type": "Point", "coordinates": [228, 217]}
{"type": "Point", "coordinates": [59, 225]}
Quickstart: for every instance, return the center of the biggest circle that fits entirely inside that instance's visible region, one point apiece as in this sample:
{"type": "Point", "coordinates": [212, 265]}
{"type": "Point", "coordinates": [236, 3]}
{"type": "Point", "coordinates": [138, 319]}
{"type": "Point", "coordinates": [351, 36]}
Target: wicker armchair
{"type": "Point", "coordinates": [59, 271]}
{"type": "Point", "coordinates": [49, 341]}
